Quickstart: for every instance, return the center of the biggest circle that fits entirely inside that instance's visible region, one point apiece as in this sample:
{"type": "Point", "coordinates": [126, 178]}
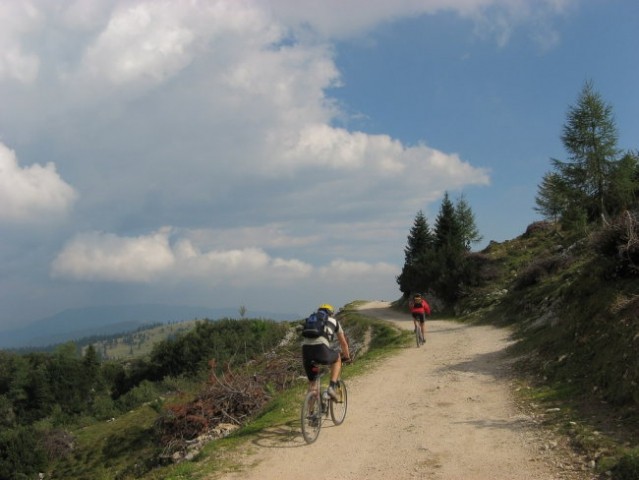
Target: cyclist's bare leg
{"type": "Point", "coordinates": [312, 385]}
{"type": "Point", "coordinates": [422, 325]}
{"type": "Point", "coordinates": [336, 369]}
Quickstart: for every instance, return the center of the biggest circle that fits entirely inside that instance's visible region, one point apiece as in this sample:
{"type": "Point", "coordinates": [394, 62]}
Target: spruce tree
{"type": "Point", "coordinates": [437, 261]}
{"type": "Point", "coordinates": [448, 229]}
{"type": "Point", "coordinates": [417, 255]}
{"type": "Point", "coordinates": [450, 257]}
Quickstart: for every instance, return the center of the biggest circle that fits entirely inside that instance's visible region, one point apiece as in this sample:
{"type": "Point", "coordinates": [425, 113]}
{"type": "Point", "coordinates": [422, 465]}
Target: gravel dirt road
{"type": "Point", "coordinates": [444, 411]}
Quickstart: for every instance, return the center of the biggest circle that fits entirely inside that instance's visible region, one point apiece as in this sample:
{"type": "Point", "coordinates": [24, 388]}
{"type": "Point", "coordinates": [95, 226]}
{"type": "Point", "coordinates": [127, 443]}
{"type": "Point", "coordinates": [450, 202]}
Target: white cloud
{"type": "Point", "coordinates": [348, 271]}
{"type": "Point", "coordinates": [339, 19]}
{"type": "Point", "coordinates": [153, 259]}
{"type": "Point", "coordinates": [272, 235]}
{"type": "Point", "coordinates": [98, 256]}
{"type": "Point", "coordinates": [374, 156]}
{"type": "Point", "coordinates": [16, 61]}
{"type": "Point", "coordinates": [31, 194]}
{"type": "Point", "coordinates": [104, 256]}
{"type": "Point", "coordinates": [249, 266]}
{"type": "Point", "coordinates": [141, 42]}
{"type": "Point", "coordinates": [146, 43]}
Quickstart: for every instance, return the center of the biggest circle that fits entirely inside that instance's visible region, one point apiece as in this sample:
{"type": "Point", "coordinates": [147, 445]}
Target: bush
{"type": "Point", "coordinates": [143, 393]}
{"type": "Point", "coordinates": [21, 455]}
{"type": "Point", "coordinates": [618, 241]}
{"type": "Point", "coordinates": [540, 268]}
{"type": "Point", "coordinates": [627, 468]}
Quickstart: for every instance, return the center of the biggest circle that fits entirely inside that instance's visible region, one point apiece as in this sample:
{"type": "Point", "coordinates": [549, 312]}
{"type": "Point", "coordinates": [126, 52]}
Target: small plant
{"type": "Point", "coordinates": [627, 468]}
{"type": "Point", "coordinates": [540, 268]}
{"type": "Point", "coordinates": [618, 241]}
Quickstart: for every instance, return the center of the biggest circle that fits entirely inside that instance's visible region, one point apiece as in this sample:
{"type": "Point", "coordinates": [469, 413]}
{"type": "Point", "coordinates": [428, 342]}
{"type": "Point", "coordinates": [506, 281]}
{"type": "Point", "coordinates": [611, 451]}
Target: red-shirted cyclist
{"type": "Point", "coordinates": [419, 309]}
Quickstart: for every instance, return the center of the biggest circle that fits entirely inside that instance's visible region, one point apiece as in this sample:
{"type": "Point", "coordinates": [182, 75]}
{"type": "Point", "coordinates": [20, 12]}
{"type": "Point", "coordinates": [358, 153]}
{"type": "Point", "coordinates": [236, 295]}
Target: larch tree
{"type": "Point", "coordinates": [590, 139]}
{"type": "Point", "coordinates": [466, 219]}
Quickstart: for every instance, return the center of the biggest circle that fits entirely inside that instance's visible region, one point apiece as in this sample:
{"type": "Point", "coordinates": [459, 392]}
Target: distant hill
{"type": "Point", "coordinates": [77, 323]}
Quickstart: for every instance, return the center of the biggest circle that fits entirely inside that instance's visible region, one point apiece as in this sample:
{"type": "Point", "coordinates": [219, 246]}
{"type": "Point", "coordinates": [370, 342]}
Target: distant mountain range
{"type": "Point", "coordinates": [79, 323]}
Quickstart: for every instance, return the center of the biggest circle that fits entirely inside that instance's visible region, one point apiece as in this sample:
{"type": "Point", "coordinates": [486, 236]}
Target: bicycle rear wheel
{"type": "Point", "coordinates": [338, 407]}
{"type": "Point", "coordinates": [311, 417]}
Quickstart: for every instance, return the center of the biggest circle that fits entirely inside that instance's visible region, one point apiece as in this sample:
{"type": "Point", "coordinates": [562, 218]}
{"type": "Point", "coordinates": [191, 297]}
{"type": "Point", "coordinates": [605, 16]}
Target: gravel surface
{"type": "Point", "coordinates": [442, 411]}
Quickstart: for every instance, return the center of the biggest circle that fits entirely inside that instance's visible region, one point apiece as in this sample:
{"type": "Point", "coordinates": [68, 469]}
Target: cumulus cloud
{"type": "Point", "coordinates": [98, 256]}
{"type": "Point", "coordinates": [237, 267]}
{"type": "Point", "coordinates": [31, 194]}
{"type": "Point", "coordinates": [141, 42]}
{"type": "Point", "coordinates": [347, 270]}
{"type": "Point", "coordinates": [105, 256]}
{"type": "Point", "coordinates": [155, 259]}
{"type": "Point", "coordinates": [338, 19]}
{"type": "Point", "coordinates": [337, 148]}
{"type": "Point", "coordinates": [16, 61]}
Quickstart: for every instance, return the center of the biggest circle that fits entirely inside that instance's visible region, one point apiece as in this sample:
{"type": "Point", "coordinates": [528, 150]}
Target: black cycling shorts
{"type": "Point", "coordinates": [419, 316]}
{"type": "Point", "coordinates": [319, 354]}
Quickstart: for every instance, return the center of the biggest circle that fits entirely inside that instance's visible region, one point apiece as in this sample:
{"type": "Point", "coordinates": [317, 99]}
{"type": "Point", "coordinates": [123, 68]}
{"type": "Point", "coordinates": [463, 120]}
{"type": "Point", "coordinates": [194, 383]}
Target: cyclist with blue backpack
{"type": "Point", "coordinates": [320, 330]}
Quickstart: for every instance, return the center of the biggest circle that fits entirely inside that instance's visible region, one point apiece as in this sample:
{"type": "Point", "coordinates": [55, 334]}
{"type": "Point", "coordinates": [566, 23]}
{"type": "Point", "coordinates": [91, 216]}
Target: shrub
{"type": "Point", "coordinates": [540, 268]}
{"type": "Point", "coordinates": [618, 241]}
{"type": "Point", "coordinates": [145, 392]}
{"type": "Point", "coordinates": [542, 227]}
{"type": "Point", "coordinates": [627, 468]}
{"type": "Point", "coordinates": [21, 455]}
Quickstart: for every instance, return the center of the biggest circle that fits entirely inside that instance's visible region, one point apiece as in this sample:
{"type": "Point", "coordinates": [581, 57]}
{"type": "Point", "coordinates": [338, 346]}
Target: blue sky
{"type": "Point", "coordinates": [274, 154]}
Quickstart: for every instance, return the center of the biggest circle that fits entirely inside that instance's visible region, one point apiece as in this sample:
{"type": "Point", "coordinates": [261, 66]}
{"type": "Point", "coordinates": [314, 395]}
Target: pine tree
{"type": "Point", "coordinates": [450, 258]}
{"type": "Point", "coordinates": [420, 239]}
{"type": "Point", "coordinates": [438, 261]}
{"type": "Point", "coordinates": [448, 229]}
{"type": "Point", "coordinates": [466, 219]}
{"type": "Point", "coordinates": [418, 251]}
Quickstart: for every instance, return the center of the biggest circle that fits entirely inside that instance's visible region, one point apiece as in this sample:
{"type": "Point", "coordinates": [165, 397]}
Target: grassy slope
{"type": "Point", "coordinates": [578, 335]}
{"type": "Point", "coordinates": [125, 448]}
{"type": "Point", "coordinates": [140, 343]}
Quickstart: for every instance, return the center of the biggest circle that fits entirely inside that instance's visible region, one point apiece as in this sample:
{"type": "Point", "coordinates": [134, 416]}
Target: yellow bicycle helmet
{"type": "Point", "coordinates": [327, 307]}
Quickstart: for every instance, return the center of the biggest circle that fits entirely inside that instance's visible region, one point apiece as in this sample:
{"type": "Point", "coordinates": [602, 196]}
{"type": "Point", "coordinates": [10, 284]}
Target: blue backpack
{"type": "Point", "coordinates": [315, 324]}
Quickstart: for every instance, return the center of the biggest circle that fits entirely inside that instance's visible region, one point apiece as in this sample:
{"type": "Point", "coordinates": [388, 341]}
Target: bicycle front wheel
{"type": "Point", "coordinates": [339, 406]}
{"type": "Point", "coordinates": [311, 417]}
{"type": "Point", "coordinates": [418, 336]}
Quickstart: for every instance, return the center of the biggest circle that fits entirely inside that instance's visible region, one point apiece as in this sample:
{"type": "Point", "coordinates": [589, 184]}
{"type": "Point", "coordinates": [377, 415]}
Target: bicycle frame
{"type": "Point", "coordinates": [317, 405]}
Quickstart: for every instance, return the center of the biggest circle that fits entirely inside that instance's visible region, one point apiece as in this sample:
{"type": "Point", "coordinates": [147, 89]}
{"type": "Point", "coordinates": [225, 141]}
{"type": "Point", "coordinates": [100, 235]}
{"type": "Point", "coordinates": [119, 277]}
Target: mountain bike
{"type": "Point", "coordinates": [318, 404]}
{"type": "Point", "coordinates": [419, 337]}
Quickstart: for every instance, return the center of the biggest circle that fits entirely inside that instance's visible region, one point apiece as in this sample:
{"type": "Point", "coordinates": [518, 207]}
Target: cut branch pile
{"type": "Point", "coordinates": [230, 398]}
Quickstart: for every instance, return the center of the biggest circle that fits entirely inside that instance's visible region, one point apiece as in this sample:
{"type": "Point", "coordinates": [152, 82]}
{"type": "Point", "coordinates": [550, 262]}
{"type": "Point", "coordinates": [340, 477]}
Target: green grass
{"type": "Point", "coordinates": [115, 449]}
{"type": "Point", "coordinates": [140, 344]}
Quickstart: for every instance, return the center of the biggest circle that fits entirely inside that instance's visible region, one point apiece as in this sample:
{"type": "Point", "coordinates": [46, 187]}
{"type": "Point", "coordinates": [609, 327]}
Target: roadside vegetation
{"type": "Point", "coordinates": [71, 415]}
